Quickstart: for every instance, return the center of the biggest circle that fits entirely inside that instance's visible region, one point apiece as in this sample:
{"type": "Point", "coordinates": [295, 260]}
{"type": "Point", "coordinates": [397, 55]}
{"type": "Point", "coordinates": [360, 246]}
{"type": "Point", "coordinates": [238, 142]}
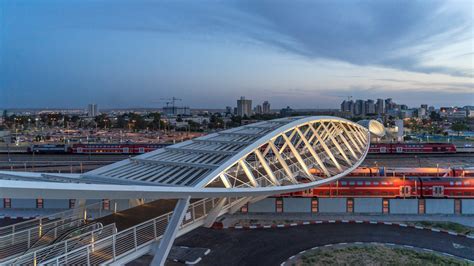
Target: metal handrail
{"type": "Point", "coordinates": [10, 229]}
{"type": "Point", "coordinates": [133, 238]}
{"type": "Point", "coordinates": [37, 256]}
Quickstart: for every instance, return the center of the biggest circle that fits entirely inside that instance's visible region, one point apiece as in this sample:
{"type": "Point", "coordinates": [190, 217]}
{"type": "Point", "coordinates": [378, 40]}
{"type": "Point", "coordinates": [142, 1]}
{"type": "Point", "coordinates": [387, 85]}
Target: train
{"type": "Point", "coordinates": [126, 148]}
{"type": "Point", "coordinates": [393, 187]}
{"type": "Point", "coordinates": [390, 148]}
{"type": "Point", "coordinates": [137, 148]}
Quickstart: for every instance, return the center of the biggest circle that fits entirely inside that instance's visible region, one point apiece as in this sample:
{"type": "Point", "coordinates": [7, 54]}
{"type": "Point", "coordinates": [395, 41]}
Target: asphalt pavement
{"type": "Point", "coordinates": [274, 246]}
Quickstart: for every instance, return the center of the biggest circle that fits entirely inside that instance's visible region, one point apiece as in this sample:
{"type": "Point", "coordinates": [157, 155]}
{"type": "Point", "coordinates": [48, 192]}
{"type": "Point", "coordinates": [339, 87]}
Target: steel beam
{"type": "Point", "coordinates": [171, 230]}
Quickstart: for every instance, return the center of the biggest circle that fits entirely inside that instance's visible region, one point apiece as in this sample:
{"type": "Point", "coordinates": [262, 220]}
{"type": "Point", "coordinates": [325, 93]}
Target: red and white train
{"type": "Point", "coordinates": [126, 148]}
{"type": "Point", "coordinates": [393, 187]}
{"type": "Point", "coordinates": [382, 148]}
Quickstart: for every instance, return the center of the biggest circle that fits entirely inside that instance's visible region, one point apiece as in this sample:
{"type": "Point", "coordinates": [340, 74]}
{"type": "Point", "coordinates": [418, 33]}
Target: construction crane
{"type": "Point", "coordinates": [349, 97]}
{"type": "Point", "coordinates": [171, 100]}
{"type": "Point", "coordinates": [168, 101]}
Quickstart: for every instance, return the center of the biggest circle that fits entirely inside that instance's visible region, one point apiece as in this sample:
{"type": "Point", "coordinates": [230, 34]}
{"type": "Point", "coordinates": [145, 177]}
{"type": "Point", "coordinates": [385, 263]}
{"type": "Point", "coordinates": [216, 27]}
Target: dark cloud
{"type": "Point", "coordinates": [382, 33]}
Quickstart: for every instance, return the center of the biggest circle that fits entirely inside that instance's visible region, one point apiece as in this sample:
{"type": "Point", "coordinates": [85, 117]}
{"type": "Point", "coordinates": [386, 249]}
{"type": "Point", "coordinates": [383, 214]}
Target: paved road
{"type": "Point", "coordinates": [273, 246]}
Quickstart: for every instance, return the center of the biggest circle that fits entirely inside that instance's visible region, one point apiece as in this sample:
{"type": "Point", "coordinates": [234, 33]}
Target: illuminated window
{"type": "Point", "coordinates": [72, 203]}
{"type": "Point", "coordinates": [106, 204]}
{"type": "Point", "coordinates": [314, 205]}
{"type": "Point", "coordinates": [245, 208]}
{"type": "Point", "coordinates": [385, 206]}
{"type": "Point", "coordinates": [39, 203]}
{"type": "Point", "coordinates": [350, 205]}
{"type": "Point", "coordinates": [421, 206]}
{"type": "Point", "coordinates": [7, 203]}
{"type": "Point", "coordinates": [457, 206]}
{"type": "Point", "coordinates": [279, 205]}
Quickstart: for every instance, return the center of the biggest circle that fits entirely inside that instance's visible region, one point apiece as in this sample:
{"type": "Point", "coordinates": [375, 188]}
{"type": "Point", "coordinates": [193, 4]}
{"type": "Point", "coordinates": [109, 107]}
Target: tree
{"type": "Point", "coordinates": [459, 126]}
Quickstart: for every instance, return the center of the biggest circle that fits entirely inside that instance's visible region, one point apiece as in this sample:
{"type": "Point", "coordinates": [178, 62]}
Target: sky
{"type": "Point", "coordinates": [305, 54]}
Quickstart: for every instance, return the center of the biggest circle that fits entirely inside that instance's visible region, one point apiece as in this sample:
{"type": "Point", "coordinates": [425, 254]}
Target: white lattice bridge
{"type": "Point", "coordinates": [226, 170]}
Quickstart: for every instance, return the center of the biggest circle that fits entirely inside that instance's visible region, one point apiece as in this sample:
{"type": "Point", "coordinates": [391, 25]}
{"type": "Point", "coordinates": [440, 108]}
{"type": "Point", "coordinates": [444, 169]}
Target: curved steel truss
{"type": "Point", "coordinates": [264, 158]}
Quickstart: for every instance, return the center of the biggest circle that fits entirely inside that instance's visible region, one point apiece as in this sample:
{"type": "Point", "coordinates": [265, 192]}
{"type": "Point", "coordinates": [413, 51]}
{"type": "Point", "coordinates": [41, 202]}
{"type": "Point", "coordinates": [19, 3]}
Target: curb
{"type": "Point", "coordinates": [300, 223]}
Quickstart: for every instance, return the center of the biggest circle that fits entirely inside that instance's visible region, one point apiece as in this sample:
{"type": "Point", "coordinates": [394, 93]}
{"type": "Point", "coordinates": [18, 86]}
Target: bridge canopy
{"type": "Point", "coordinates": [272, 156]}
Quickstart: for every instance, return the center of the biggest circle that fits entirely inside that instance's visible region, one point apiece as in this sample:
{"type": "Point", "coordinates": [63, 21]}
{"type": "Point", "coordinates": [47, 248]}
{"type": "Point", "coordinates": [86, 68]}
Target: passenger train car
{"type": "Point", "coordinates": [393, 187]}
{"type": "Point", "coordinates": [389, 148]}
{"type": "Point", "coordinates": [95, 148]}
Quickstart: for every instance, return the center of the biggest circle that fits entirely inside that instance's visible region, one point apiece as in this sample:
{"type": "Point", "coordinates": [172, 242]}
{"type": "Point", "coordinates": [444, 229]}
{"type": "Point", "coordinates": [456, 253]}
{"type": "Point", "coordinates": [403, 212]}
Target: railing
{"type": "Point", "coordinates": [24, 235]}
{"type": "Point", "coordinates": [38, 256]}
{"type": "Point", "coordinates": [132, 239]}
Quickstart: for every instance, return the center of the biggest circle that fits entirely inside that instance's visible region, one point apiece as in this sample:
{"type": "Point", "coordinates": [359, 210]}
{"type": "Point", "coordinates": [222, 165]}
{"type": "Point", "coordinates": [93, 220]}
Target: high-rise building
{"type": "Point", "coordinates": [389, 104]}
{"type": "Point", "coordinates": [347, 106]}
{"type": "Point", "coordinates": [92, 110]}
{"type": "Point", "coordinates": [228, 110]}
{"type": "Point", "coordinates": [359, 108]}
{"type": "Point", "coordinates": [266, 107]}
{"type": "Point", "coordinates": [379, 107]}
{"type": "Point", "coordinates": [370, 107]}
{"type": "Point", "coordinates": [244, 107]}
{"type": "Point", "coordinates": [258, 109]}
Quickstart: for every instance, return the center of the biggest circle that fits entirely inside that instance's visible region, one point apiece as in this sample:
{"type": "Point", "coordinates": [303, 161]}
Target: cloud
{"type": "Point", "coordinates": [394, 34]}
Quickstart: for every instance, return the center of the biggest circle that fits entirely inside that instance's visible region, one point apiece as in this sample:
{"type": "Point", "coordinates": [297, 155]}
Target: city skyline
{"type": "Point", "coordinates": [211, 54]}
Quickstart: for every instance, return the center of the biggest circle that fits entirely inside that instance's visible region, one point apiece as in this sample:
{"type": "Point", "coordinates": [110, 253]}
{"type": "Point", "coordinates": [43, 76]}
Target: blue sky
{"type": "Point", "coordinates": [306, 54]}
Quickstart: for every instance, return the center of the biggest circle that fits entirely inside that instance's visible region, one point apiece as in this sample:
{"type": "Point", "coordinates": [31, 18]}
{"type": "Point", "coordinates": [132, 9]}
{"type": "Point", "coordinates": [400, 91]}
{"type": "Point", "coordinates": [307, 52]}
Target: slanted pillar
{"type": "Point", "coordinates": [172, 228]}
{"type": "Point", "coordinates": [134, 202]}
{"type": "Point", "coordinates": [80, 208]}
{"type": "Point", "coordinates": [212, 216]}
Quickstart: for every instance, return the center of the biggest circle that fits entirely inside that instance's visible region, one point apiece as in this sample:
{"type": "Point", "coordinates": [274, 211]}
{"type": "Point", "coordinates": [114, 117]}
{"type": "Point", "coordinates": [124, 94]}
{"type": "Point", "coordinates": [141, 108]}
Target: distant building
{"type": "Point", "coordinates": [92, 110]}
{"type": "Point", "coordinates": [370, 107]}
{"type": "Point", "coordinates": [359, 108]}
{"type": "Point", "coordinates": [347, 107]}
{"type": "Point", "coordinates": [389, 105]}
{"type": "Point", "coordinates": [286, 111]}
{"type": "Point", "coordinates": [176, 110]}
{"type": "Point", "coordinates": [258, 109]}
{"type": "Point", "coordinates": [400, 129]}
{"type": "Point", "coordinates": [379, 107]}
{"type": "Point", "coordinates": [228, 110]}
{"type": "Point", "coordinates": [266, 107]}
{"type": "Point", "coordinates": [244, 107]}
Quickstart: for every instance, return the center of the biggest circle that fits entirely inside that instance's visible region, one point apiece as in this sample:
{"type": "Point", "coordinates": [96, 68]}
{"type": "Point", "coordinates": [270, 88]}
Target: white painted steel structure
{"type": "Point", "coordinates": [225, 170]}
{"type": "Point", "coordinates": [265, 158]}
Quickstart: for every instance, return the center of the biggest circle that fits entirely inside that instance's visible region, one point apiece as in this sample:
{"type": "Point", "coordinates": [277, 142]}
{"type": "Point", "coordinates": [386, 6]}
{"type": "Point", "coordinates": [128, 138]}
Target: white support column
{"type": "Point", "coordinates": [286, 144]}
{"type": "Point", "coordinates": [325, 147]}
{"type": "Point", "coordinates": [212, 216]}
{"type": "Point", "coordinates": [341, 135]}
{"type": "Point", "coordinates": [80, 208]}
{"type": "Point", "coordinates": [283, 163]}
{"type": "Point", "coordinates": [248, 173]}
{"type": "Point", "coordinates": [225, 180]}
{"type": "Point", "coordinates": [297, 155]}
{"type": "Point", "coordinates": [134, 203]}
{"type": "Point", "coordinates": [267, 168]}
{"type": "Point", "coordinates": [304, 134]}
{"type": "Point", "coordinates": [315, 155]}
{"type": "Point", "coordinates": [172, 228]}
{"type": "Point", "coordinates": [348, 134]}
{"type": "Point", "coordinates": [341, 151]}
{"type": "Point", "coordinates": [355, 132]}
{"type": "Point", "coordinates": [239, 205]}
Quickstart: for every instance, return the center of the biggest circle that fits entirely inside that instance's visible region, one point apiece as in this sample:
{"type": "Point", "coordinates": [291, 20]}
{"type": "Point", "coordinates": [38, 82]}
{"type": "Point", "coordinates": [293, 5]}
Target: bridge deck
{"type": "Point", "coordinates": [136, 215]}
